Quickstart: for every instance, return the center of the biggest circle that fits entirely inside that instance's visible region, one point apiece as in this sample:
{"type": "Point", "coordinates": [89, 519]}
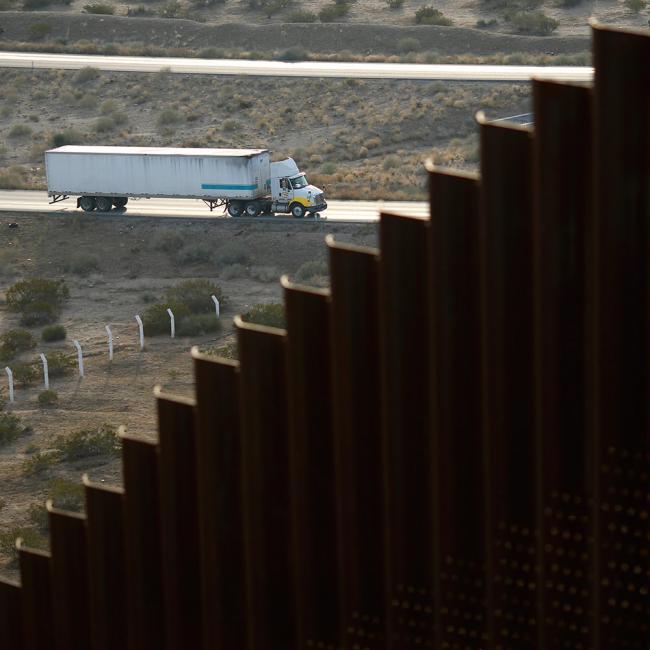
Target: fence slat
{"type": "Point", "coordinates": [357, 428]}
{"type": "Point", "coordinates": [459, 472]}
{"type": "Point", "coordinates": [179, 522]}
{"type": "Point", "coordinates": [106, 566]}
{"type": "Point", "coordinates": [36, 599]}
{"type": "Point", "coordinates": [563, 156]}
{"type": "Point", "coordinates": [312, 465]}
{"type": "Point", "coordinates": [70, 585]}
{"type": "Point", "coordinates": [220, 504]}
{"type": "Point", "coordinates": [404, 277]}
{"type": "Point", "coordinates": [266, 488]}
{"type": "Point", "coordinates": [11, 616]}
{"type": "Point", "coordinates": [621, 356]}
{"type": "Point", "coordinates": [507, 303]}
{"type": "Point", "coordinates": [146, 613]}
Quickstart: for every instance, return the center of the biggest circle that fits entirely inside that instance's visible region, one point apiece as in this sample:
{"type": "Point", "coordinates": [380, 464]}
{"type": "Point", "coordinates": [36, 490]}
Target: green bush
{"type": "Point", "coordinates": [26, 293]}
{"type": "Point", "coordinates": [53, 333]}
{"type": "Point", "coordinates": [187, 300]}
{"type": "Point", "coordinates": [84, 75]}
{"type": "Point", "coordinates": [312, 269]}
{"type": "Point", "coordinates": [271, 314]}
{"type": "Point", "coordinates": [14, 342]}
{"type": "Point", "coordinates": [195, 296]}
{"type": "Point", "coordinates": [104, 124]}
{"type": "Point", "coordinates": [198, 324]}
{"type": "Point", "coordinates": [37, 513]}
{"type": "Point", "coordinates": [39, 313]}
{"type": "Point", "coordinates": [30, 536]}
{"type": "Point", "coordinates": [427, 15]}
{"type": "Point", "coordinates": [66, 495]}
{"type": "Point", "coordinates": [25, 374]}
{"type": "Point", "coordinates": [294, 54]}
{"type": "Point", "coordinates": [82, 264]}
{"type": "Point", "coordinates": [395, 4]}
{"type": "Point", "coordinates": [169, 242]}
{"type": "Point", "coordinates": [48, 398]}
{"type": "Point", "coordinates": [10, 428]}
{"type": "Point", "coordinates": [39, 463]}
{"type": "Point", "coordinates": [60, 364]}
{"type": "Point", "coordinates": [99, 8]}
{"type": "Point", "coordinates": [332, 13]}
{"type": "Point", "coordinates": [69, 136]}
{"type": "Point", "coordinates": [87, 443]}
{"type": "Point", "coordinates": [535, 23]}
{"type": "Point", "coordinates": [156, 321]}
{"type": "Point", "coordinates": [302, 17]}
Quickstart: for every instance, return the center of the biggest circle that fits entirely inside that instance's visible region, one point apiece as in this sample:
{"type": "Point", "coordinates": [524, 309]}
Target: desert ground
{"type": "Point", "coordinates": [356, 139]}
{"type": "Point", "coordinates": [115, 268]}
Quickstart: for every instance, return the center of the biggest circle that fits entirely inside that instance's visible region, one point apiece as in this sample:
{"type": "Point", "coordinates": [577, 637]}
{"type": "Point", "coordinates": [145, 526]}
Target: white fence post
{"type": "Point", "coordinates": [141, 328]}
{"type": "Point", "coordinates": [80, 357]}
{"type": "Point", "coordinates": [215, 300]}
{"type": "Point", "coordinates": [46, 374]}
{"type": "Point", "coordinates": [172, 322]}
{"type": "Point", "coordinates": [110, 342]}
{"type": "Point", "coordinates": [10, 379]}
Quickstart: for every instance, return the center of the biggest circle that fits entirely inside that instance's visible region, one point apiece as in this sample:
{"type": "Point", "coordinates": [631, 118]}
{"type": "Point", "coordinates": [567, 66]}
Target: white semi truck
{"type": "Point", "coordinates": [242, 181]}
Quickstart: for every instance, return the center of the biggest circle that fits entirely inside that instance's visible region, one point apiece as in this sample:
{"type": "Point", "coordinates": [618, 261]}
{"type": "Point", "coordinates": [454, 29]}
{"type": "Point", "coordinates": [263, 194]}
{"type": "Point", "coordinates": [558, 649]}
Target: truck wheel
{"type": "Point", "coordinates": [235, 208]}
{"type": "Point", "coordinates": [87, 203]}
{"type": "Point", "coordinates": [252, 209]}
{"type": "Point", "coordinates": [104, 203]}
{"type": "Point", "coordinates": [120, 201]}
{"type": "Point", "coordinates": [298, 211]}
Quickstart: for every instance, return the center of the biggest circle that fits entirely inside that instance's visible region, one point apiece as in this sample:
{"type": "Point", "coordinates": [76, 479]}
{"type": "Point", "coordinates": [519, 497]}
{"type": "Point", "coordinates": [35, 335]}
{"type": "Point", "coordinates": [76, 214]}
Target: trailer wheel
{"type": "Point", "coordinates": [235, 208]}
{"type": "Point", "coordinates": [87, 203]}
{"type": "Point", "coordinates": [298, 211]}
{"type": "Point", "coordinates": [104, 203]}
{"type": "Point", "coordinates": [252, 209]}
{"type": "Point", "coordinates": [120, 201]}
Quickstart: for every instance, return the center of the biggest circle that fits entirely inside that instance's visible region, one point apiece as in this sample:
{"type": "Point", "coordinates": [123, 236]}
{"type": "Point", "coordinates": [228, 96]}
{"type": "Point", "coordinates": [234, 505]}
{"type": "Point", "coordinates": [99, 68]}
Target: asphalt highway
{"type": "Point", "coordinates": [337, 211]}
{"type": "Point", "coordinates": [298, 69]}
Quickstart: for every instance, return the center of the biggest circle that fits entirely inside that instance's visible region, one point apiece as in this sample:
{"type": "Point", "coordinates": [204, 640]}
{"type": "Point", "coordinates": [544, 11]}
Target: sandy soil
{"type": "Point", "coordinates": [573, 20]}
{"type": "Point", "coordinates": [132, 271]}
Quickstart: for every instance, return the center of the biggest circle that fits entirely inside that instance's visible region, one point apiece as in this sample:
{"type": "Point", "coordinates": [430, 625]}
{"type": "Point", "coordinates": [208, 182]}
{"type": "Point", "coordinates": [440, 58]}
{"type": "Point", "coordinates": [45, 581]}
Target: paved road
{"type": "Point", "coordinates": [337, 211]}
{"type": "Point", "coordinates": [299, 69]}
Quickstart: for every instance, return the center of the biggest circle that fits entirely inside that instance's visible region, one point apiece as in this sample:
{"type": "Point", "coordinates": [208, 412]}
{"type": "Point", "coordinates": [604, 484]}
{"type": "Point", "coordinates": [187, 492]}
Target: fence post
{"type": "Point", "coordinates": [215, 300]}
{"type": "Point", "coordinates": [46, 374]}
{"type": "Point", "coordinates": [141, 330]}
{"type": "Point", "coordinates": [10, 379]}
{"type": "Point", "coordinates": [80, 357]}
{"type": "Point", "coordinates": [110, 342]}
{"type": "Point", "coordinates": [172, 322]}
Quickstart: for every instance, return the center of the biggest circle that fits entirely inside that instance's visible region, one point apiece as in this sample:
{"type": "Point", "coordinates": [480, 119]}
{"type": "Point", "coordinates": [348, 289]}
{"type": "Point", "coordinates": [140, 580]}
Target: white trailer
{"type": "Point", "coordinates": [243, 181]}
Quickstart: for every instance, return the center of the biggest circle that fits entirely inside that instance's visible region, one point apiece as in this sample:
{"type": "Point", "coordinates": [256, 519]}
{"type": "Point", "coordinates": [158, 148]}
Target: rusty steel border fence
{"type": "Point", "coordinates": [446, 449]}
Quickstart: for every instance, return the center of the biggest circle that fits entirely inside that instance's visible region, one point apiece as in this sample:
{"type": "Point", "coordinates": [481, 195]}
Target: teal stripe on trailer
{"type": "Point", "coordinates": [207, 186]}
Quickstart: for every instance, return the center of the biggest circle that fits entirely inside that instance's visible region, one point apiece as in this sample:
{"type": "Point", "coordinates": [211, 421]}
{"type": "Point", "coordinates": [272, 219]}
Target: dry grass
{"type": "Point", "coordinates": [348, 128]}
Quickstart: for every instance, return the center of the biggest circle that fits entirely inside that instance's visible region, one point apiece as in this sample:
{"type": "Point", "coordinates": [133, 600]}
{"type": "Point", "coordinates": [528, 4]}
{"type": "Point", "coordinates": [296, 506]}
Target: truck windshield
{"type": "Point", "coordinates": [298, 182]}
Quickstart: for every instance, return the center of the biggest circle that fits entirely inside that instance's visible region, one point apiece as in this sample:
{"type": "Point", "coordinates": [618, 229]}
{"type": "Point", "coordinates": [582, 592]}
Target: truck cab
{"type": "Point", "coordinates": [291, 191]}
